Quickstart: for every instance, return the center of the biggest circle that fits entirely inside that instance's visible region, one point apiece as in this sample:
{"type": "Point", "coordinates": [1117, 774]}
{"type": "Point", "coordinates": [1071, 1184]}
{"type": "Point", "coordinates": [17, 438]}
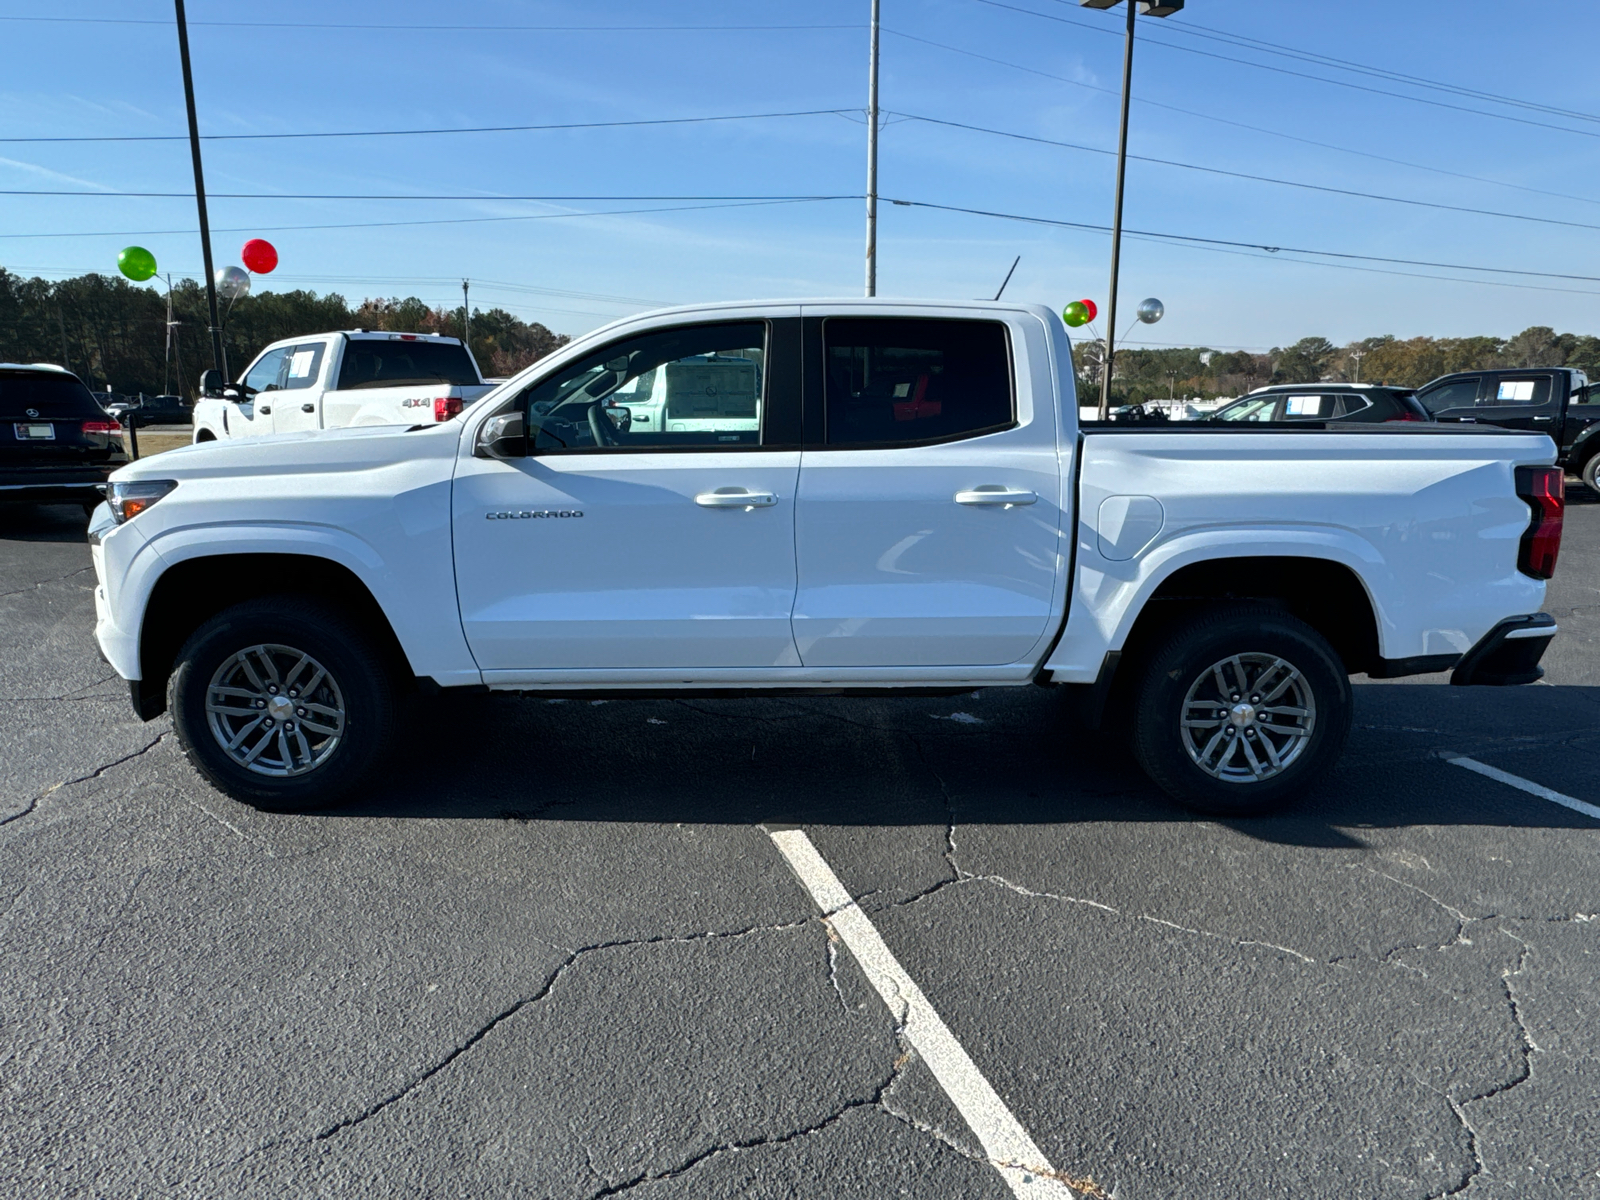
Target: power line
{"type": "Point", "coordinates": [359, 133]}
{"type": "Point", "coordinates": [390, 28]}
{"type": "Point", "coordinates": [1001, 62]}
{"type": "Point", "coordinates": [1315, 187]}
{"type": "Point", "coordinates": [1297, 74]}
{"type": "Point", "coordinates": [561, 216]}
{"type": "Point", "coordinates": [1241, 41]}
{"type": "Point", "coordinates": [1190, 238]}
{"type": "Point", "coordinates": [400, 196]}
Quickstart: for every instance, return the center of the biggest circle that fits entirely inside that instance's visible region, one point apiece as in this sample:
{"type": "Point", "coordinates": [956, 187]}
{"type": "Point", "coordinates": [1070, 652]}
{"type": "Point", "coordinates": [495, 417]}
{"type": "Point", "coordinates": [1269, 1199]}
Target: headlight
{"type": "Point", "coordinates": [129, 499]}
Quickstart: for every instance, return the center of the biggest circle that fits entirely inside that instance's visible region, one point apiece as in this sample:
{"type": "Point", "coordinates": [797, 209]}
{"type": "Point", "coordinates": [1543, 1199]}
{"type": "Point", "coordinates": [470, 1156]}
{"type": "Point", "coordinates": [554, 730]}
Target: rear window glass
{"type": "Point", "coordinates": [895, 381]}
{"type": "Point", "coordinates": [1520, 391]}
{"type": "Point", "coordinates": [372, 363]}
{"type": "Point", "coordinates": [49, 395]}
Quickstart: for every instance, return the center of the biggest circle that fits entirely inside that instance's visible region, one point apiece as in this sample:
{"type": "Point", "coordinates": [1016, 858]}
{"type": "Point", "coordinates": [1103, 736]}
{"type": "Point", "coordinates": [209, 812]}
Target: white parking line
{"type": "Point", "coordinates": [1516, 781]}
{"type": "Point", "coordinates": [1009, 1148]}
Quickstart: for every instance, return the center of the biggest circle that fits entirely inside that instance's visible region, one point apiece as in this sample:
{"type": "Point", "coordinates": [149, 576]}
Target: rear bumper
{"type": "Point", "coordinates": [1508, 654]}
{"type": "Point", "coordinates": [49, 485]}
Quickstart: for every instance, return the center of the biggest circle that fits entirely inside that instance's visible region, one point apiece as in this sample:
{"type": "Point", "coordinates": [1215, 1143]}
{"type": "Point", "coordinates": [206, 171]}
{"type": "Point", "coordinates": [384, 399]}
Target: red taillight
{"type": "Point", "coordinates": [104, 427]}
{"type": "Point", "coordinates": [445, 407]}
{"type": "Point", "coordinates": [1405, 416]}
{"type": "Point", "coordinates": [1545, 490]}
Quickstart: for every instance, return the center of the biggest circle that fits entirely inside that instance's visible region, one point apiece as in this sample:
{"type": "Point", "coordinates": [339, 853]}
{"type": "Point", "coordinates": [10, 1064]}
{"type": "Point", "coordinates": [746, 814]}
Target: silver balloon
{"type": "Point", "coordinates": [234, 282]}
{"type": "Point", "coordinates": [1151, 310]}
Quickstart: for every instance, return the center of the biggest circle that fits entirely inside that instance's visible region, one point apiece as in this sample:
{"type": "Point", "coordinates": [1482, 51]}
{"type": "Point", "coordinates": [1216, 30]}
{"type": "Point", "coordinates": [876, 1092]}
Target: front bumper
{"type": "Point", "coordinates": [1509, 653]}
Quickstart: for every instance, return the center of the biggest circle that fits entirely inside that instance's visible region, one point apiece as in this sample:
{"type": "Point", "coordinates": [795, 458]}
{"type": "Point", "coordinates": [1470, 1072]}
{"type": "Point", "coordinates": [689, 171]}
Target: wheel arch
{"type": "Point", "coordinates": [1327, 595]}
{"type": "Point", "coordinates": [193, 590]}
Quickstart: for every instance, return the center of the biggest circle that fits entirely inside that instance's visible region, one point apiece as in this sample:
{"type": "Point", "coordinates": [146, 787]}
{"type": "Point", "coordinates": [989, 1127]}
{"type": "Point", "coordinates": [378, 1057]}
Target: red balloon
{"type": "Point", "coordinates": [259, 256]}
{"type": "Point", "coordinates": [1089, 304]}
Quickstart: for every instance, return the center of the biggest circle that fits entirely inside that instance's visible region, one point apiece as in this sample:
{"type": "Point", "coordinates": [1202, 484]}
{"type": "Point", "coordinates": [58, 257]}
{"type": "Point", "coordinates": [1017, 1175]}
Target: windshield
{"type": "Point", "coordinates": [374, 363]}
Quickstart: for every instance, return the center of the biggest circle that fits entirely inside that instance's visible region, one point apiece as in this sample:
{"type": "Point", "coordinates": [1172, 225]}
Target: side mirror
{"type": "Point", "coordinates": [505, 436]}
{"type": "Point", "coordinates": [211, 384]}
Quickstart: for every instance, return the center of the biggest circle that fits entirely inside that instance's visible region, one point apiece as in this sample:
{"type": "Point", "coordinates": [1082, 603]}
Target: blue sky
{"type": "Point", "coordinates": [1056, 79]}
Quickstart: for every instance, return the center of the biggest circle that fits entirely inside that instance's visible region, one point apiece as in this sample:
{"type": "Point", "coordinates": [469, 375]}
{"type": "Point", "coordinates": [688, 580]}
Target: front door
{"type": "Point", "coordinates": [929, 523]}
{"type": "Point", "coordinates": [252, 416]}
{"type": "Point", "coordinates": [624, 546]}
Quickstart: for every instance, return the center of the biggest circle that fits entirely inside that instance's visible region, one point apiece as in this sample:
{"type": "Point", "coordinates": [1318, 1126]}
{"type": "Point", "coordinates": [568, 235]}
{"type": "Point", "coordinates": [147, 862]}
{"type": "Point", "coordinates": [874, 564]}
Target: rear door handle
{"type": "Point", "coordinates": [735, 497]}
{"type": "Point", "coordinates": [1544, 418]}
{"type": "Point", "coordinates": [994, 494]}
{"type": "Point", "coordinates": [308, 408]}
{"type": "Point", "coordinates": [265, 410]}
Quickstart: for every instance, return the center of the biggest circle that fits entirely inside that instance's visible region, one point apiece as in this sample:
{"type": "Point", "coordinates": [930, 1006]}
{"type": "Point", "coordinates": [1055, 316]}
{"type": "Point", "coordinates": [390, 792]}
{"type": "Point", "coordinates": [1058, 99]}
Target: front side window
{"type": "Point", "coordinates": [305, 366]}
{"type": "Point", "coordinates": [1256, 408]}
{"type": "Point", "coordinates": [901, 381]}
{"type": "Point", "coordinates": [1463, 393]}
{"type": "Point", "coordinates": [263, 376]}
{"type": "Point", "coordinates": [696, 385]}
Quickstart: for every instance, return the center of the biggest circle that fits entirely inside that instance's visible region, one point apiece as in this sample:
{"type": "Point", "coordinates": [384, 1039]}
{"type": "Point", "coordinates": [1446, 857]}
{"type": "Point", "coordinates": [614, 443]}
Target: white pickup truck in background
{"type": "Point", "coordinates": [821, 496]}
{"type": "Point", "coordinates": [331, 380]}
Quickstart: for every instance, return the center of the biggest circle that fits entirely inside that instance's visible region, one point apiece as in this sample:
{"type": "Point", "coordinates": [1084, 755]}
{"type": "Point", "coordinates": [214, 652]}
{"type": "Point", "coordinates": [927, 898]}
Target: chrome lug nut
{"type": "Point", "coordinates": [268, 722]}
{"type": "Point", "coordinates": [299, 712]}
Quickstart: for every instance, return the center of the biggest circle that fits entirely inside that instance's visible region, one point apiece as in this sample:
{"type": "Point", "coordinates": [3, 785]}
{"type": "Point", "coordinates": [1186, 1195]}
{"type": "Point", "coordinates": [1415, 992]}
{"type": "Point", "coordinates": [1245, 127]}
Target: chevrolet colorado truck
{"type": "Point", "coordinates": [863, 496]}
{"type": "Point", "coordinates": [330, 380]}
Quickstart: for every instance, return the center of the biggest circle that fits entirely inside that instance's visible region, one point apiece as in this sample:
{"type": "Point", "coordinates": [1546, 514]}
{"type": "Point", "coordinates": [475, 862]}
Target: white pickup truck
{"type": "Point", "coordinates": [330, 380]}
{"type": "Point", "coordinates": [863, 495]}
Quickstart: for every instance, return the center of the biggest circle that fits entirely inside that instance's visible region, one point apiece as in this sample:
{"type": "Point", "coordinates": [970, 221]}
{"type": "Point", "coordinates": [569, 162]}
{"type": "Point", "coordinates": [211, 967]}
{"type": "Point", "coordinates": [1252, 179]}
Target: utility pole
{"type": "Point", "coordinates": [1154, 8]}
{"type": "Point", "coordinates": [166, 372]}
{"type": "Point", "coordinates": [1357, 355]}
{"type": "Point", "coordinates": [200, 192]}
{"type": "Point", "coordinates": [872, 158]}
{"type": "Point", "coordinates": [466, 318]}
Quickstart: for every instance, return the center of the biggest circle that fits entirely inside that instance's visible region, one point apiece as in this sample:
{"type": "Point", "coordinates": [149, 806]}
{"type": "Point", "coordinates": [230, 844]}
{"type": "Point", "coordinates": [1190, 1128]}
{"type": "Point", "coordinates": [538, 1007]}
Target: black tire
{"type": "Point", "coordinates": [1591, 472]}
{"type": "Point", "coordinates": [314, 768]}
{"type": "Point", "coordinates": [1180, 683]}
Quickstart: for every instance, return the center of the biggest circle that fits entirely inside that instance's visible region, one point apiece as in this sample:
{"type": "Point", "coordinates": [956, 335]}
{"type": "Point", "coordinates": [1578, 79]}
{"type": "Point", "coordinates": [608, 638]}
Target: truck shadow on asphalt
{"type": "Point", "coordinates": [1000, 756]}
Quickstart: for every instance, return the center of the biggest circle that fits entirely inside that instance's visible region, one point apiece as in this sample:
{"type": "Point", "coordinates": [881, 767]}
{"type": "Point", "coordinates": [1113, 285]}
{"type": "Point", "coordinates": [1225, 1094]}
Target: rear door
{"type": "Point", "coordinates": [624, 547]}
{"type": "Point", "coordinates": [1529, 400]}
{"type": "Point", "coordinates": [928, 530]}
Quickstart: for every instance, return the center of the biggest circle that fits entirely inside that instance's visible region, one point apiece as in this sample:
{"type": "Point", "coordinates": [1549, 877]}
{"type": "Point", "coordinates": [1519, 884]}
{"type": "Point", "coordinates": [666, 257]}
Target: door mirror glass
{"type": "Point", "coordinates": [504, 436]}
{"type": "Point", "coordinates": [211, 384]}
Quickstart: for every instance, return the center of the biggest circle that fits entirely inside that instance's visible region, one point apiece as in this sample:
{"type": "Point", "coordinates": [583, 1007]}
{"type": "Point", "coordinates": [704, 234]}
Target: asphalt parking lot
{"type": "Point", "coordinates": [560, 951]}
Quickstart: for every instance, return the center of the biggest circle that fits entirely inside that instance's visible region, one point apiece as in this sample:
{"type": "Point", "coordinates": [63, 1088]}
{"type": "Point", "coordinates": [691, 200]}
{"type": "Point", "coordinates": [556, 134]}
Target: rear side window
{"type": "Point", "coordinates": [379, 362]}
{"type": "Point", "coordinates": [1310, 408]}
{"type": "Point", "coordinates": [1533, 391]}
{"type": "Point", "coordinates": [897, 382]}
{"type": "Point", "coordinates": [305, 366]}
{"type": "Point", "coordinates": [49, 395]}
{"type": "Point", "coordinates": [1463, 393]}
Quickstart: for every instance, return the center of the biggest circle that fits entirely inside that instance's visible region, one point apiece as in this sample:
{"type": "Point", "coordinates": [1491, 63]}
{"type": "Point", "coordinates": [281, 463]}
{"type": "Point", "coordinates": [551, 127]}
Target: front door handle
{"type": "Point", "coordinates": [308, 408]}
{"type": "Point", "coordinates": [1544, 418]}
{"type": "Point", "coordinates": [735, 497]}
{"type": "Point", "coordinates": [994, 494]}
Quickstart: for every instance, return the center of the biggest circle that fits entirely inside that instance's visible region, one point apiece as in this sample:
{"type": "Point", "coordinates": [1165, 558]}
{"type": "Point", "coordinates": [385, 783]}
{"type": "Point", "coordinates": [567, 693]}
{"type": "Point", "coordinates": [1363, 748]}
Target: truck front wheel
{"type": "Point", "coordinates": [282, 703]}
{"type": "Point", "coordinates": [1240, 709]}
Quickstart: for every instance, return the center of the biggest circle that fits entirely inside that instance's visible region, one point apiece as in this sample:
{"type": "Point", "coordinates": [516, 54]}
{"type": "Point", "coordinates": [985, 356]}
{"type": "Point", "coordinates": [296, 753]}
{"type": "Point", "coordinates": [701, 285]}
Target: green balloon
{"type": "Point", "coordinates": [137, 263]}
{"type": "Point", "coordinates": [1076, 314]}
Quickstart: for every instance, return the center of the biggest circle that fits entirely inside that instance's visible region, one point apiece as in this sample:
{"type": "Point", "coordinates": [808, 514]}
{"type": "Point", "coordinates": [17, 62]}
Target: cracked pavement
{"type": "Point", "coordinates": [552, 954]}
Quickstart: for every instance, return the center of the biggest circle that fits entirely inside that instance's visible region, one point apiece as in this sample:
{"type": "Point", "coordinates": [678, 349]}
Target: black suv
{"type": "Point", "coordinates": [1559, 401]}
{"type": "Point", "coordinates": [56, 444]}
{"type": "Point", "coordinates": [1338, 402]}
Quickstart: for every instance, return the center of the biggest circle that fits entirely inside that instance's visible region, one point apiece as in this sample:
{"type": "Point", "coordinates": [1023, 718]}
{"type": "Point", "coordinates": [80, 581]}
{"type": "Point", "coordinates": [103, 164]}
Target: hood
{"type": "Point", "coordinates": [314, 451]}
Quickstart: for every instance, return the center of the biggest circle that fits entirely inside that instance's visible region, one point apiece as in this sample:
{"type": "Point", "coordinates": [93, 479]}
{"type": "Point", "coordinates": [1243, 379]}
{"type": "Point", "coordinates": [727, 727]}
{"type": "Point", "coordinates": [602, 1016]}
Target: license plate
{"type": "Point", "coordinates": [44, 432]}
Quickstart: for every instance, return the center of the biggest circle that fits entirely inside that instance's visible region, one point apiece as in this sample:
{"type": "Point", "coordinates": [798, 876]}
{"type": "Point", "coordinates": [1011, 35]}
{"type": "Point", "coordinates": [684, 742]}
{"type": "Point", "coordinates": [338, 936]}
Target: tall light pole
{"type": "Point", "coordinates": [872, 157]}
{"type": "Point", "coordinates": [1153, 8]}
{"type": "Point", "coordinates": [466, 318]}
{"type": "Point", "coordinates": [200, 192]}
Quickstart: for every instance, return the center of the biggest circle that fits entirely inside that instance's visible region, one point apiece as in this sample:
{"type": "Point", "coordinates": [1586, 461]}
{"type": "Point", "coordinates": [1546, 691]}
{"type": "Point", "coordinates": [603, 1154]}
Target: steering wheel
{"type": "Point", "coordinates": [600, 426]}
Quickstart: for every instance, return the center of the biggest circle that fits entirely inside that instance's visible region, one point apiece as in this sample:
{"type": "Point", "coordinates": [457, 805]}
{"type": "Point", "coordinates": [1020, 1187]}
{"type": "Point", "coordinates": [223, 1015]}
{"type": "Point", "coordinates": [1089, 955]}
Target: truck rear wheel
{"type": "Point", "coordinates": [1591, 472]}
{"type": "Point", "coordinates": [1240, 710]}
{"type": "Point", "coordinates": [282, 703]}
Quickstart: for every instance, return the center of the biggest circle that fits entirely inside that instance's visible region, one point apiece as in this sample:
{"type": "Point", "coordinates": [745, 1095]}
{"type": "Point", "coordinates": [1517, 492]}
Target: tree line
{"type": "Point", "coordinates": [1199, 372]}
{"type": "Point", "coordinates": [113, 335]}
